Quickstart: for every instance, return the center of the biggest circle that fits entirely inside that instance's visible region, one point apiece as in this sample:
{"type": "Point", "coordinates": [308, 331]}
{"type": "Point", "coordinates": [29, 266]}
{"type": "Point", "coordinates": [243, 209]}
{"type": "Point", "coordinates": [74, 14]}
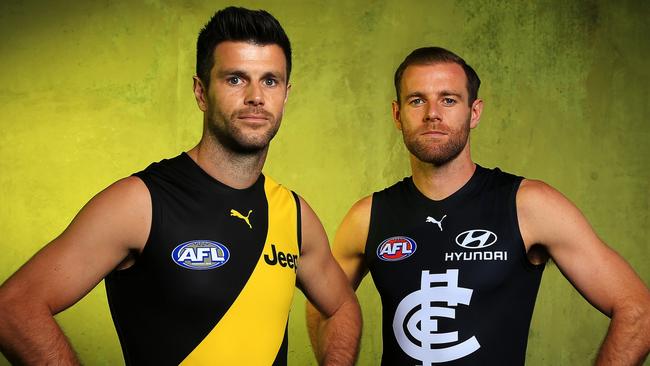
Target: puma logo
{"type": "Point", "coordinates": [236, 213]}
{"type": "Point", "coordinates": [434, 221]}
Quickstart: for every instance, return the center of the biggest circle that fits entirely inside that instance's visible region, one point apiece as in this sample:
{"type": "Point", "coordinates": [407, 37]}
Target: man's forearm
{"type": "Point", "coordinates": [628, 338]}
{"type": "Point", "coordinates": [31, 336]}
{"type": "Point", "coordinates": [315, 322]}
{"type": "Point", "coordinates": [335, 340]}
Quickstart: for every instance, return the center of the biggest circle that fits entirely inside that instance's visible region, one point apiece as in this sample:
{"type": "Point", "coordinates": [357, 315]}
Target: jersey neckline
{"type": "Point", "coordinates": [467, 188]}
{"type": "Point", "coordinates": [186, 159]}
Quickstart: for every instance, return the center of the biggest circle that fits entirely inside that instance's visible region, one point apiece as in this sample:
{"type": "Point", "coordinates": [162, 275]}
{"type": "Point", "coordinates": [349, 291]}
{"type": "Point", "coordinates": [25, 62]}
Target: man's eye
{"type": "Point", "coordinates": [448, 101]}
{"type": "Point", "coordinates": [234, 80]}
{"type": "Point", "coordinates": [270, 82]}
{"type": "Point", "coordinates": [416, 101]}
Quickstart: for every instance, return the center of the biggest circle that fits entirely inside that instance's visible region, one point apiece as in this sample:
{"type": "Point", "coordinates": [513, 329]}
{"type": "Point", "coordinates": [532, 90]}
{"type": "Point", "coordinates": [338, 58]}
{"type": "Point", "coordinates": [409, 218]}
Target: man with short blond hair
{"type": "Point", "coordinates": [457, 251]}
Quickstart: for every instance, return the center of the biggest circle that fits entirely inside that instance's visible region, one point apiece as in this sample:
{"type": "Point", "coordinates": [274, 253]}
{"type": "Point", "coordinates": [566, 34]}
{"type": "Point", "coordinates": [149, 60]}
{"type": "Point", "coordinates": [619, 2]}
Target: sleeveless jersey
{"type": "Point", "coordinates": [215, 280]}
{"type": "Point", "coordinates": [455, 283]}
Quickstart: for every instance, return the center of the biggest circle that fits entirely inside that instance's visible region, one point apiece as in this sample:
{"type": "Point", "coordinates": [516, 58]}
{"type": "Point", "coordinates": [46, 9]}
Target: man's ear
{"type": "Point", "coordinates": [396, 115]}
{"type": "Point", "coordinates": [476, 110]}
{"type": "Point", "coordinates": [200, 93]}
{"type": "Point", "coordinates": [286, 95]}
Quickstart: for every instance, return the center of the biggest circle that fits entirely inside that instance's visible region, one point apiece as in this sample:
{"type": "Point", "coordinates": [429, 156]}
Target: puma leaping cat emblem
{"type": "Point", "coordinates": [236, 213]}
{"type": "Point", "coordinates": [434, 221]}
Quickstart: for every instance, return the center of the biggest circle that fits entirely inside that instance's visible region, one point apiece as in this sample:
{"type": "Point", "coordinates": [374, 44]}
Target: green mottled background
{"type": "Point", "coordinates": [92, 91]}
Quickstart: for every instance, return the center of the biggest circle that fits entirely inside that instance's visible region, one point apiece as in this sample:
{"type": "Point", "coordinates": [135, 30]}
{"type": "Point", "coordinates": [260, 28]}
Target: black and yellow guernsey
{"type": "Point", "coordinates": [215, 280]}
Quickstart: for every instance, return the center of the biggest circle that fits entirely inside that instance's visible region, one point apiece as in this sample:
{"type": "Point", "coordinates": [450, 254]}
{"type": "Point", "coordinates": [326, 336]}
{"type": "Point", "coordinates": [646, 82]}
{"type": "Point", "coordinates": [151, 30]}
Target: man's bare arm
{"type": "Point", "coordinates": [546, 217]}
{"type": "Point", "coordinates": [348, 252]}
{"type": "Point", "coordinates": [326, 286]}
{"type": "Point", "coordinates": [101, 237]}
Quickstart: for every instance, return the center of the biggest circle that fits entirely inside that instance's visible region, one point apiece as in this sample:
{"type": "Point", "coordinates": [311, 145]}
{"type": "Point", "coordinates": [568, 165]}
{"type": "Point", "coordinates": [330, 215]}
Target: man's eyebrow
{"type": "Point", "coordinates": [232, 72]}
{"type": "Point", "coordinates": [414, 94]}
{"type": "Point", "coordinates": [449, 93]}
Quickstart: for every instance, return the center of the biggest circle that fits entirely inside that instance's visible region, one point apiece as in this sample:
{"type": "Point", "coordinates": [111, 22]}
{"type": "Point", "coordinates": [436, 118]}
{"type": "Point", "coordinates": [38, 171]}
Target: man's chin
{"type": "Point", "coordinates": [436, 158]}
{"type": "Point", "coordinates": [252, 149]}
{"type": "Point", "coordinates": [251, 146]}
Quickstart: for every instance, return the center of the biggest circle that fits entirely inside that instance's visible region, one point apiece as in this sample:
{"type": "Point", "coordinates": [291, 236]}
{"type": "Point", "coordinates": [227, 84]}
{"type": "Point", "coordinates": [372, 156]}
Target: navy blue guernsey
{"type": "Point", "coordinates": [214, 282]}
{"type": "Point", "coordinates": [455, 283]}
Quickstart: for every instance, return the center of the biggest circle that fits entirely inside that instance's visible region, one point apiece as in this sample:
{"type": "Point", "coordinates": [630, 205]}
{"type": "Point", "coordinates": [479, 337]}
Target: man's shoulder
{"type": "Point", "coordinates": [131, 191]}
{"type": "Point", "coordinates": [360, 210]}
{"type": "Point", "coordinates": [535, 198]}
{"type": "Point", "coordinates": [534, 189]}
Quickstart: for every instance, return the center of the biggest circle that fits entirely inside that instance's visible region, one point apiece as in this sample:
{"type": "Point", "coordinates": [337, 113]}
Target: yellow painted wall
{"type": "Point", "coordinates": [91, 91]}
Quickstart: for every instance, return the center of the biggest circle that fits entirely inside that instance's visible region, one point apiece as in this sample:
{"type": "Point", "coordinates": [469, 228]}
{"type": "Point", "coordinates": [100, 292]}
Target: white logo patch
{"type": "Point", "coordinates": [434, 221]}
{"type": "Point", "coordinates": [422, 326]}
{"type": "Point", "coordinates": [476, 239]}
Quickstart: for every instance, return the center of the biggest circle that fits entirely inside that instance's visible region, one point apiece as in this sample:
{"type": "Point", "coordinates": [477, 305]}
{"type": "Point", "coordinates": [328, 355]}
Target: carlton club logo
{"type": "Point", "coordinates": [415, 324]}
{"type": "Point", "coordinates": [396, 248]}
{"type": "Point", "coordinates": [200, 254]}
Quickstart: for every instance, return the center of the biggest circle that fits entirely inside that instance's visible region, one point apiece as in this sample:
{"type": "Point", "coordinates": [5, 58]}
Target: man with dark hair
{"type": "Point", "coordinates": [457, 250]}
{"type": "Point", "coordinates": [233, 24]}
{"type": "Point", "coordinates": [200, 252]}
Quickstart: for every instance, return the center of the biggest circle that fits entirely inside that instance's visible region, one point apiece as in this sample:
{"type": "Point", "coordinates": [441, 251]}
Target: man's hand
{"type": "Point", "coordinates": [546, 217]}
{"type": "Point", "coordinates": [112, 225]}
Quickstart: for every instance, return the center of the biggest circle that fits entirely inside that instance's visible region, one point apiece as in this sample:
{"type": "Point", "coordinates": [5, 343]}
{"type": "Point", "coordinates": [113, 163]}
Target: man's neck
{"type": "Point", "coordinates": [440, 182]}
{"type": "Point", "coordinates": [228, 167]}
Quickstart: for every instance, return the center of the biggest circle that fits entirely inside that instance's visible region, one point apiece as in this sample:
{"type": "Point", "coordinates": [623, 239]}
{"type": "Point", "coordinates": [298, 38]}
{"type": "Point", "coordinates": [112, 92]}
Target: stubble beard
{"type": "Point", "coordinates": [227, 132]}
{"type": "Point", "coordinates": [439, 154]}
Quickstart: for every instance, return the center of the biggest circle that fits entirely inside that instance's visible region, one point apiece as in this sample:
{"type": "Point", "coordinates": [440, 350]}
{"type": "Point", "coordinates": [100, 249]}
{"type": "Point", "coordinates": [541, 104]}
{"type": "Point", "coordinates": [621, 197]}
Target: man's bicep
{"type": "Point", "coordinates": [319, 276]}
{"type": "Point", "coordinates": [601, 275]}
{"type": "Point", "coordinates": [99, 238]}
{"type": "Point", "coordinates": [349, 244]}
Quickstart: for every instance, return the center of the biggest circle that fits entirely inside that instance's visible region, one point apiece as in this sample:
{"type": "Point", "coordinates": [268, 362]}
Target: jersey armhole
{"type": "Point", "coordinates": [371, 224]}
{"type": "Point", "coordinates": [298, 220]}
{"type": "Point", "coordinates": [155, 215]}
{"type": "Point", "coordinates": [515, 226]}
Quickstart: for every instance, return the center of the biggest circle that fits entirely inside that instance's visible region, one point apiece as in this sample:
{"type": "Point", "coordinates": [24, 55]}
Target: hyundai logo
{"type": "Point", "coordinates": [476, 239]}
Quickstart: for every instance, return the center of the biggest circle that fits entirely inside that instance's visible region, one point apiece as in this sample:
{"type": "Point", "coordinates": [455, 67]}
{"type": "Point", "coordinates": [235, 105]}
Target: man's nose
{"type": "Point", "coordinates": [254, 95]}
{"type": "Point", "coordinates": [432, 113]}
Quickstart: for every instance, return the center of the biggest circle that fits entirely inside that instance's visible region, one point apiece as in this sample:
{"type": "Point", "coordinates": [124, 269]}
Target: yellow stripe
{"type": "Point", "coordinates": [252, 330]}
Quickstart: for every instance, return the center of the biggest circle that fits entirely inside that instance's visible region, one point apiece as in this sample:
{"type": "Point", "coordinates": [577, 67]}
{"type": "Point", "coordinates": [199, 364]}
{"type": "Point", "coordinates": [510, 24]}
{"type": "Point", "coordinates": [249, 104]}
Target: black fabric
{"type": "Point", "coordinates": [502, 284]}
{"type": "Point", "coordinates": [281, 358]}
{"type": "Point", "coordinates": [161, 310]}
{"type": "Point", "coordinates": [299, 214]}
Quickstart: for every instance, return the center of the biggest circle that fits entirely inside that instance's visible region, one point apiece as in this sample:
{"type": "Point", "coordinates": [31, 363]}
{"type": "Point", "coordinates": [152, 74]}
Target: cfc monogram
{"type": "Point", "coordinates": [422, 326]}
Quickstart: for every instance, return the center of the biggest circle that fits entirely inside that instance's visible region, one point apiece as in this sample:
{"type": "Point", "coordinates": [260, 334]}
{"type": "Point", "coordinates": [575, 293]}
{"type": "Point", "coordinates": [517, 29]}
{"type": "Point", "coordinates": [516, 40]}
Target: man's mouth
{"type": "Point", "coordinates": [435, 133]}
{"type": "Point", "coordinates": [256, 115]}
{"type": "Point", "coordinates": [253, 117]}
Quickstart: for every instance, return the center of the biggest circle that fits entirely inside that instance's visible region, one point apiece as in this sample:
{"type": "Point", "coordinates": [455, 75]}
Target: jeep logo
{"type": "Point", "coordinates": [281, 258]}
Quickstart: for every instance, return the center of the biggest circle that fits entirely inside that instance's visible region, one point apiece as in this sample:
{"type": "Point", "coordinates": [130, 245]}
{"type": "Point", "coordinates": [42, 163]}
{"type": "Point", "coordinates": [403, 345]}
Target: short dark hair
{"type": "Point", "coordinates": [434, 55]}
{"type": "Point", "coordinates": [238, 24]}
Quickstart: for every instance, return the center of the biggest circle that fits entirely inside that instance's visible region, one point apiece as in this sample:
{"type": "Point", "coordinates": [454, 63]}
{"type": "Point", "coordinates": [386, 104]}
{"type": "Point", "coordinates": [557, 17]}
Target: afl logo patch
{"type": "Point", "coordinates": [396, 248]}
{"type": "Point", "coordinates": [476, 239]}
{"type": "Point", "coordinates": [200, 255]}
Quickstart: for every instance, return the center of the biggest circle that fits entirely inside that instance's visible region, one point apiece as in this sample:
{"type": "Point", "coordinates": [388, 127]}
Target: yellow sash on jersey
{"type": "Point", "coordinates": [252, 330]}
